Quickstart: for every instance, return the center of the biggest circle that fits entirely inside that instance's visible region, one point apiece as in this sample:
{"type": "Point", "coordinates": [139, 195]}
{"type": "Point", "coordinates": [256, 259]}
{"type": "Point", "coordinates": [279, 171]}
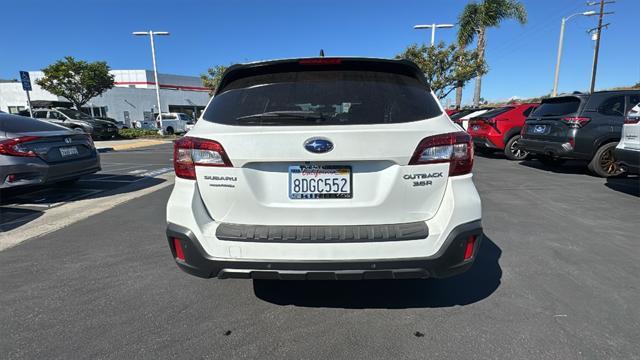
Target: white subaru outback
{"type": "Point", "coordinates": [324, 168]}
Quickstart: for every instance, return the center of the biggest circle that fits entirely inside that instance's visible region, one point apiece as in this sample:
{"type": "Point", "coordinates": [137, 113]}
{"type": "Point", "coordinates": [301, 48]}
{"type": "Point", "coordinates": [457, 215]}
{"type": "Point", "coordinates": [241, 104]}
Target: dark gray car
{"type": "Point", "coordinates": [78, 121]}
{"type": "Point", "coordinates": [34, 152]}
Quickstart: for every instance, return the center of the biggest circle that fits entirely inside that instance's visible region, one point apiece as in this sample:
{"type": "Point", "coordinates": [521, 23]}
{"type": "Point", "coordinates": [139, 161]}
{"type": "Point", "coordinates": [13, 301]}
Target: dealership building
{"type": "Point", "coordinates": [132, 99]}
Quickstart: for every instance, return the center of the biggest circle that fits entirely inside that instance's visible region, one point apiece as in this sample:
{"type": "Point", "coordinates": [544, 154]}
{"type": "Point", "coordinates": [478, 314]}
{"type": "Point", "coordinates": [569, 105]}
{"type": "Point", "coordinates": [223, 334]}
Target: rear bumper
{"type": "Point", "coordinates": [449, 260]}
{"type": "Point", "coordinates": [629, 159]}
{"type": "Point", "coordinates": [483, 142]}
{"type": "Point", "coordinates": [34, 171]}
{"type": "Point", "coordinates": [550, 148]}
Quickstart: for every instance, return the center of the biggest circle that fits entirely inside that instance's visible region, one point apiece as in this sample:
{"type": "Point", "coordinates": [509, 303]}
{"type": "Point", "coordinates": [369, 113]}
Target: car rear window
{"type": "Point", "coordinates": [323, 97]}
{"type": "Point", "coordinates": [15, 124]}
{"type": "Point", "coordinates": [557, 107]}
{"type": "Point", "coordinates": [495, 112]}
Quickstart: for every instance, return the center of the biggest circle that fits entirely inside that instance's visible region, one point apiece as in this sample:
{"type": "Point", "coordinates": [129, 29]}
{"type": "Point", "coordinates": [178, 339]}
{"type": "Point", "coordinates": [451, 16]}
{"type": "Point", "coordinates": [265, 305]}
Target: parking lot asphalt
{"type": "Point", "coordinates": [127, 170]}
{"type": "Point", "coordinates": [556, 278]}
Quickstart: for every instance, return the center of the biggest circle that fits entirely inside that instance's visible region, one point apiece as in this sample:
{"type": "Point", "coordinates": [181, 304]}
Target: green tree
{"type": "Point", "coordinates": [444, 66]}
{"type": "Point", "coordinates": [212, 78]}
{"type": "Point", "coordinates": [76, 80]}
{"type": "Point", "coordinates": [477, 17]}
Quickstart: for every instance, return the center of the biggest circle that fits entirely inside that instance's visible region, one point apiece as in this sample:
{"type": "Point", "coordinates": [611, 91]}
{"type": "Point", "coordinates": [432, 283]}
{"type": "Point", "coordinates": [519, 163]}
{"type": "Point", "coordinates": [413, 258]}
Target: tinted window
{"type": "Point", "coordinates": [528, 111]}
{"type": "Point", "coordinates": [323, 97]}
{"type": "Point", "coordinates": [55, 115]}
{"type": "Point", "coordinates": [558, 106]}
{"type": "Point", "coordinates": [40, 114]}
{"type": "Point", "coordinates": [19, 124]}
{"type": "Point", "coordinates": [184, 117]}
{"type": "Point", "coordinates": [75, 114]}
{"type": "Point", "coordinates": [495, 112]}
{"type": "Point", "coordinates": [613, 106]}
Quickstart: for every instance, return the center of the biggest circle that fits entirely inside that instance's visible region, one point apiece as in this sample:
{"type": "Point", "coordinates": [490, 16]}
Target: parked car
{"type": "Point", "coordinates": [118, 124]}
{"type": "Point", "coordinates": [324, 168]}
{"type": "Point", "coordinates": [174, 123]}
{"type": "Point", "coordinates": [462, 118]}
{"type": "Point", "coordinates": [579, 126]}
{"type": "Point", "coordinates": [35, 152]}
{"type": "Point", "coordinates": [78, 121]}
{"type": "Point", "coordinates": [499, 129]}
{"type": "Point", "coordinates": [628, 150]}
{"type": "Point", "coordinates": [451, 111]}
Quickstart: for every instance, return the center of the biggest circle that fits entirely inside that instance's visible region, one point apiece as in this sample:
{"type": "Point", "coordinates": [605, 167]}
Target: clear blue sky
{"type": "Point", "coordinates": [204, 33]}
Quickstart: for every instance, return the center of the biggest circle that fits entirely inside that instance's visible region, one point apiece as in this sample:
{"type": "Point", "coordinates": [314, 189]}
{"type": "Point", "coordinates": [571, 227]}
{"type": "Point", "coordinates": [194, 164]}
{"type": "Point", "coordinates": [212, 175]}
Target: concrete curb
{"type": "Point", "coordinates": [105, 149]}
{"type": "Point", "coordinates": [133, 145]}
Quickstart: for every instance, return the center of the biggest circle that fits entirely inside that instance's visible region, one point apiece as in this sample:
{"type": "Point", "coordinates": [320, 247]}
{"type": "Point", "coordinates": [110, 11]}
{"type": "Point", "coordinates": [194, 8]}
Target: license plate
{"type": "Point", "coordinates": [68, 151]}
{"type": "Point", "coordinates": [538, 129]}
{"type": "Point", "coordinates": [320, 182]}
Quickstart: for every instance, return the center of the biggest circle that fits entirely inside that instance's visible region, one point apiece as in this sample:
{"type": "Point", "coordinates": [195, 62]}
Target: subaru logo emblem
{"type": "Point", "coordinates": [67, 140]}
{"type": "Point", "coordinates": [318, 145]}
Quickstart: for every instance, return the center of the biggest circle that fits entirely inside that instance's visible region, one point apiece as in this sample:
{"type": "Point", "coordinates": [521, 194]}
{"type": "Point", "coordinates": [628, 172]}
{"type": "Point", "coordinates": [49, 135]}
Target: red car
{"type": "Point", "coordinates": [499, 129]}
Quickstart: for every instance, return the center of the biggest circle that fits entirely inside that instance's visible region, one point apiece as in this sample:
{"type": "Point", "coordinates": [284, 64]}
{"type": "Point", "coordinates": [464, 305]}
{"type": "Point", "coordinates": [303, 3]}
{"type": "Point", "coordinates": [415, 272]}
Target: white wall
{"type": "Point", "coordinates": [117, 100]}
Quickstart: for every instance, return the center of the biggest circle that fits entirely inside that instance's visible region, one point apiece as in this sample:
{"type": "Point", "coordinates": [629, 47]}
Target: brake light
{"type": "Point", "coordinates": [632, 120]}
{"type": "Point", "coordinates": [320, 61]}
{"type": "Point", "coordinates": [468, 251]}
{"type": "Point", "coordinates": [15, 147]}
{"type": "Point", "coordinates": [453, 148]}
{"type": "Point", "coordinates": [575, 122]}
{"type": "Point", "coordinates": [190, 152]}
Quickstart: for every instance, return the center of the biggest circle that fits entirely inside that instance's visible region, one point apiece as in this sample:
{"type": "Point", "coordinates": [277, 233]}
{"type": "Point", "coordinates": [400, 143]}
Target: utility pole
{"type": "Point", "coordinates": [598, 30]}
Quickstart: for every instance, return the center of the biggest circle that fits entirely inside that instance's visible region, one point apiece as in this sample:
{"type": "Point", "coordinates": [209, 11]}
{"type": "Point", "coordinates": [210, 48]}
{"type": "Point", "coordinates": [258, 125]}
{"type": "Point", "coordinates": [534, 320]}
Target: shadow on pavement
{"type": "Point", "coordinates": [23, 205]}
{"type": "Point", "coordinates": [630, 185]}
{"type": "Point", "coordinates": [472, 286]}
{"type": "Point", "coordinates": [568, 167]}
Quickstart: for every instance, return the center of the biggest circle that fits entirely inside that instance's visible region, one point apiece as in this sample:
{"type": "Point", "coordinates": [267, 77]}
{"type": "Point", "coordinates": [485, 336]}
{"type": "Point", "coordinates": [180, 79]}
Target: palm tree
{"type": "Point", "coordinates": [477, 17]}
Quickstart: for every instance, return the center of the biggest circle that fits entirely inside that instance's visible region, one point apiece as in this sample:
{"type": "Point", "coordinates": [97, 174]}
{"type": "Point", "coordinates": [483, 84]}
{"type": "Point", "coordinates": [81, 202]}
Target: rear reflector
{"type": "Point", "coordinates": [190, 152]}
{"type": "Point", "coordinates": [453, 148]}
{"type": "Point", "coordinates": [468, 251]}
{"type": "Point", "coordinates": [179, 252]}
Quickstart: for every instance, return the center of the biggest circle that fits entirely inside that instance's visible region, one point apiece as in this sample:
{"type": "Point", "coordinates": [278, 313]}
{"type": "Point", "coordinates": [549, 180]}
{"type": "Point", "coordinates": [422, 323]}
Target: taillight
{"type": "Point", "coordinates": [189, 152]}
{"type": "Point", "coordinates": [632, 120]}
{"type": "Point", "coordinates": [320, 61]}
{"type": "Point", "coordinates": [453, 148]}
{"type": "Point", "coordinates": [15, 147]}
{"type": "Point", "coordinates": [575, 122]}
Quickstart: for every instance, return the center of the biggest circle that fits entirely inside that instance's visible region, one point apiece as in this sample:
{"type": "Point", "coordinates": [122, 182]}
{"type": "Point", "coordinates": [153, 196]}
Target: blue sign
{"type": "Point", "coordinates": [26, 81]}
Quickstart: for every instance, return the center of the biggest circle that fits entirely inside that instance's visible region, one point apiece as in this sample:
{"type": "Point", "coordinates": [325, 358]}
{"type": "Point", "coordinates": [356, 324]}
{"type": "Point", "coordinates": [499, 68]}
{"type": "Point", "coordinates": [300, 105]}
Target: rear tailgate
{"type": "Point", "coordinates": [545, 122]}
{"type": "Point", "coordinates": [372, 113]}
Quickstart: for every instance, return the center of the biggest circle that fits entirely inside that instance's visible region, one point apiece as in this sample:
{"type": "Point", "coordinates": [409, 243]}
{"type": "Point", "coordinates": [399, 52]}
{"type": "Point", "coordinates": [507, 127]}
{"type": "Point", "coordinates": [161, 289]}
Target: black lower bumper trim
{"type": "Point", "coordinates": [629, 159]}
{"type": "Point", "coordinates": [322, 234]}
{"type": "Point", "coordinates": [449, 260]}
{"type": "Point", "coordinates": [484, 143]}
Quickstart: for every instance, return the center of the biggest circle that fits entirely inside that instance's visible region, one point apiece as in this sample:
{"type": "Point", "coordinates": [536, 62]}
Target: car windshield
{"type": "Point", "coordinates": [557, 107]}
{"type": "Point", "coordinates": [75, 114]}
{"type": "Point", "coordinates": [327, 97]}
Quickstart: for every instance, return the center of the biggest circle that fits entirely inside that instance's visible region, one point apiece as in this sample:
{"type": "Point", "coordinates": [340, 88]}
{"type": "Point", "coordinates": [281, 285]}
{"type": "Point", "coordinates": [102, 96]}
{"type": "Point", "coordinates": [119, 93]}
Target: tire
{"type": "Point", "coordinates": [604, 163]}
{"type": "Point", "coordinates": [170, 130]}
{"type": "Point", "coordinates": [550, 160]}
{"type": "Point", "coordinates": [512, 150]}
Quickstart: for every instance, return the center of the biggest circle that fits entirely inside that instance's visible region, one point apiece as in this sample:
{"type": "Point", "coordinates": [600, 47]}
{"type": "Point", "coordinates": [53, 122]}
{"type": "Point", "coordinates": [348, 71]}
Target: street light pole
{"type": "Point", "coordinates": [560, 43]}
{"type": "Point", "coordinates": [151, 33]}
{"type": "Point", "coordinates": [433, 29]}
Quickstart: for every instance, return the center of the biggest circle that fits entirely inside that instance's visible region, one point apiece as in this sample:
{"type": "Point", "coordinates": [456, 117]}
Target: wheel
{"type": "Point", "coordinates": [550, 160]}
{"type": "Point", "coordinates": [604, 163]}
{"type": "Point", "coordinates": [513, 151]}
{"type": "Point", "coordinates": [170, 130]}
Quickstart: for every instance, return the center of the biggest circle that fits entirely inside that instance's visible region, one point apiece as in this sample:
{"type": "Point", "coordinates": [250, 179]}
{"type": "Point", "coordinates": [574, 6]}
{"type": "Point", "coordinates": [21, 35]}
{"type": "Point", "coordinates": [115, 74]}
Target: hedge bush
{"type": "Point", "coordinates": [138, 133]}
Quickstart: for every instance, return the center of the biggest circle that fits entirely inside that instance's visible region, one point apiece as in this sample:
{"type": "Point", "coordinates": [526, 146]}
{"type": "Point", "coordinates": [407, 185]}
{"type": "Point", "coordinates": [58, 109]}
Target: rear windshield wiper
{"type": "Point", "coordinates": [284, 114]}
